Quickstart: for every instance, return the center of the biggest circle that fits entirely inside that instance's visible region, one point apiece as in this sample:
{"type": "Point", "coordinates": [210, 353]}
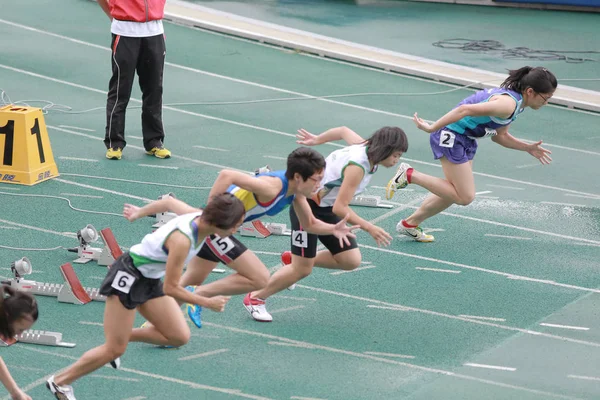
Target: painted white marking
{"type": "Point", "coordinates": [587, 244]}
{"type": "Point", "coordinates": [583, 196]}
{"type": "Point", "coordinates": [306, 398]}
{"type": "Point", "coordinates": [575, 328]}
{"type": "Point", "coordinates": [211, 148]}
{"type": "Point", "coordinates": [286, 309]}
{"type": "Point", "coordinates": [451, 271]}
{"type": "Point", "coordinates": [10, 188]}
{"type": "Point", "coordinates": [528, 165]}
{"type": "Point", "coordinates": [507, 237]}
{"type": "Point", "coordinates": [77, 127]}
{"type": "Point", "coordinates": [118, 378]}
{"type": "Point", "coordinates": [300, 345]}
{"type": "Point", "coordinates": [82, 195]}
{"type": "Point", "coordinates": [91, 323]}
{"type": "Point", "coordinates": [484, 192]}
{"type": "Point", "coordinates": [275, 157]}
{"type": "Point", "coordinates": [383, 187]}
{"type": "Point", "coordinates": [24, 368]}
{"type": "Point", "coordinates": [271, 253]}
{"type": "Point", "coordinates": [206, 354]}
{"type": "Point", "coordinates": [585, 378]}
{"type": "Point", "coordinates": [383, 360]}
{"type": "Point", "coordinates": [354, 270]}
{"type": "Point", "coordinates": [483, 318]}
{"type": "Point", "coordinates": [488, 197]}
{"type": "Point", "coordinates": [593, 137]}
{"type": "Point", "coordinates": [563, 204]}
{"type": "Point", "coordinates": [395, 308]}
{"type": "Point", "coordinates": [490, 367]}
{"type": "Point", "coordinates": [136, 137]}
{"type": "Point", "coordinates": [135, 398]}
{"type": "Point", "coordinates": [292, 297]}
{"type": "Point", "coordinates": [131, 196]}
{"type": "Point", "coordinates": [375, 353]}
{"type": "Point", "coordinates": [595, 153]}
{"type": "Point", "coordinates": [140, 182]}
{"type": "Point", "coordinates": [157, 166]}
{"type": "Point", "coordinates": [10, 227]}
{"type": "Point", "coordinates": [77, 159]}
{"type": "Point", "coordinates": [503, 187]}
{"type": "Point", "coordinates": [450, 316]}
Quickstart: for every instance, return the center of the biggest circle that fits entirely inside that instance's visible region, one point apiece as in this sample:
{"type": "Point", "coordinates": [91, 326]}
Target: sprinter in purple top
{"type": "Point", "coordinates": [453, 139]}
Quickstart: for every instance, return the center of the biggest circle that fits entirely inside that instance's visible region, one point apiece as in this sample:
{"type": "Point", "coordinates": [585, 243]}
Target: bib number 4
{"type": "Point", "coordinates": [300, 239]}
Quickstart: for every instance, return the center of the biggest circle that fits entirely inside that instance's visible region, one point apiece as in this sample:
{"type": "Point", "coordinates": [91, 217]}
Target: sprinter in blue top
{"type": "Point", "coordinates": [453, 140]}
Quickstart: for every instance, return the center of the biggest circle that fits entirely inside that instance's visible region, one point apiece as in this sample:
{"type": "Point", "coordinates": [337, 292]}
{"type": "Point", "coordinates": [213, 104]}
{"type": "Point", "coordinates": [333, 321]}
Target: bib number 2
{"type": "Point", "coordinates": [447, 139]}
{"type": "Point", "coordinates": [123, 281]}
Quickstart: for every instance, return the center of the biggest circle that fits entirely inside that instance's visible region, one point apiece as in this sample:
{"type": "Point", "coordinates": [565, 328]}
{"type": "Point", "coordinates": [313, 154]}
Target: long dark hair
{"type": "Point", "coordinates": [223, 211]}
{"type": "Point", "coordinates": [15, 305]}
{"type": "Point", "coordinates": [539, 79]}
{"type": "Point", "coordinates": [384, 142]}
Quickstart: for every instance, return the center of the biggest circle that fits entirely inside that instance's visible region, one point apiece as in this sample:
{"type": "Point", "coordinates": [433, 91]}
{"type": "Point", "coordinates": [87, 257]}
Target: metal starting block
{"type": "Point", "coordinates": [44, 338]}
{"type": "Point", "coordinates": [369, 201]}
{"type": "Point", "coordinates": [259, 230]}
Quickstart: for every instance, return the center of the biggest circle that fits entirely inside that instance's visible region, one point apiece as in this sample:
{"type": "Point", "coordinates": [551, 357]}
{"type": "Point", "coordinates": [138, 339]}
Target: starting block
{"type": "Point", "coordinates": [103, 256]}
{"type": "Point", "coordinates": [369, 201]}
{"type": "Point", "coordinates": [25, 152]}
{"type": "Point", "coordinates": [259, 230]}
{"type": "Point", "coordinates": [44, 338]}
{"type": "Point", "coordinates": [164, 217]}
{"type": "Point", "coordinates": [70, 292]}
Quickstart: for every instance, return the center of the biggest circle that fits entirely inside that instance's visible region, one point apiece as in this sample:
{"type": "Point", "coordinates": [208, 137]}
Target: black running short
{"type": "Point", "coordinates": [224, 249]}
{"type": "Point", "coordinates": [125, 281]}
{"type": "Point", "coordinates": [304, 244]}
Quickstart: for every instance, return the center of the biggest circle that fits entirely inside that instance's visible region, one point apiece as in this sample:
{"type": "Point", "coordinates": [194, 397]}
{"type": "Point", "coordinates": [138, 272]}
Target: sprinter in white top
{"type": "Point", "coordinates": [347, 173]}
{"type": "Point", "coordinates": [133, 283]}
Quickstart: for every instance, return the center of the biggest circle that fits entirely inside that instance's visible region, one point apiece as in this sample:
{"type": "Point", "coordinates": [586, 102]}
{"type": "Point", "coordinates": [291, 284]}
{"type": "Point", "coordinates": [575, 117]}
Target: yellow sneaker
{"type": "Point", "coordinates": [159, 152]}
{"type": "Point", "coordinates": [114, 153]}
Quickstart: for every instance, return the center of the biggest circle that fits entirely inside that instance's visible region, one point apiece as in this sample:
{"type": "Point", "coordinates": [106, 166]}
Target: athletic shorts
{"type": "Point", "coordinates": [304, 244]}
{"type": "Point", "coordinates": [458, 149]}
{"type": "Point", "coordinates": [224, 249]}
{"type": "Point", "coordinates": [125, 281]}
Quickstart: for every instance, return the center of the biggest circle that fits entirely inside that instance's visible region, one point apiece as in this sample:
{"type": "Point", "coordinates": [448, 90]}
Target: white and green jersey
{"type": "Point", "coordinates": [150, 256]}
{"type": "Point", "coordinates": [334, 173]}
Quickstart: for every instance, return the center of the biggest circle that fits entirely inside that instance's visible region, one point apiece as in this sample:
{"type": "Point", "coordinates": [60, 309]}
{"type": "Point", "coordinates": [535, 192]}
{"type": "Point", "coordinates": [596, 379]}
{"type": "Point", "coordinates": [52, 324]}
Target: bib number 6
{"type": "Point", "coordinates": [447, 139]}
{"type": "Point", "coordinates": [123, 281]}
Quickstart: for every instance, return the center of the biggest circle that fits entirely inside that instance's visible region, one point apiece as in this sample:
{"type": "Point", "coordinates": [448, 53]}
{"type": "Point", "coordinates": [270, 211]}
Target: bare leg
{"type": "Point", "coordinates": [118, 322]}
{"type": "Point", "coordinates": [251, 274]}
{"type": "Point", "coordinates": [346, 260]}
{"type": "Point", "coordinates": [197, 271]}
{"type": "Point", "coordinates": [287, 275]}
{"type": "Point", "coordinates": [168, 327]}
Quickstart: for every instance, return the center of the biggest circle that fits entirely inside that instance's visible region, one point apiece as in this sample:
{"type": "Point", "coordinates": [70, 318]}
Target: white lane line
{"type": "Point", "coordinates": [210, 148]}
{"type": "Point", "coordinates": [91, 323]}
{"type": "Point", "coordinates": [271, 253]}
{"type": "Point", "coordinates": [157, 166]}
{"type": "Point", "coordinates": [131, 196]}
{"type": "Point", "coordinates": [135, 398]}
{"type": "Point", "coordinates": [484, 192]}
{"type": "Point", "coordinates": [206, 354]}
{"type": "Point", "coordinates": [275, 157]}
{"type": "Point", "coordinates": [450, 316]}
{"type": "Point", "coordinates": [305, 398]}
{"type": "Point", "coordinates": [82, 195]}
{"type": "Point", "coordinates": [507, 237]}
{"type": "Point", "coordinates": [77, 127]}
{"type": "Point", "coordinates": [497, 367]}
{"type": "Point", "coordinates": [488, 197]}
{"type": "Point", "coordinates": [278, 296]}
{"type": "Point", "coordinates": [394, 308]}
{"type": "Point", "coordinates": [587, 244]}
{"type": "Point", "coordinates": [563, 204]}
{"type": "Point", "coordinates": [140, 182]}
{"type": "Point", "coordinates": [575, 328]}
{"type": "Point", "coordinates": [528, 165]}
{"type": "Point", "coordinates": [77, 159]}
{"type": "Point", "coordinates": [286, 309]}
{"type": "Point", "coordinates": [133, 137]}
{"type": "Point", "coordinates": [583, 196]}
{"type": "Point", "coordinates": [300, 345]}
{"type": "Point", "coordinates": [10, 188]}
{"type": "Point", "coordinates": [483, 318]}
{"type": "Point", "coordinates": [354, 270]}
{"type": "Point", "coordinates": [117, 378]}
{"type": "Point", "coordinates": [451, 271]}
{"type": "Point", "coordinates": [585, 378]}
{"type": "Point", "coordinates": [504, 187]}
{"type": "Point", "coordinates": [384, 360]}
{"type": "Point", "coordinates": [375, 353]}
{"type": "Point", "coordinates": [10, 227]}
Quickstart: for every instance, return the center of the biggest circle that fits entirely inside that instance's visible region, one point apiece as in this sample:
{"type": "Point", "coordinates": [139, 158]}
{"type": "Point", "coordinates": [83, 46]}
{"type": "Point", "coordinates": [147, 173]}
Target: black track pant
{"type": "Point", "coordinates": [146, 55]}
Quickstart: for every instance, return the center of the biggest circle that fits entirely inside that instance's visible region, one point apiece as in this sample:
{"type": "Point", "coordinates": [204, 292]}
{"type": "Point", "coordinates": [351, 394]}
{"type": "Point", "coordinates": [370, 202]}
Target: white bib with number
{"type": "Point", "coordinates": [300, 239]}
{"type": "Point", "coordinates": [447, 139]}
{"type": "Point", "coordinates": [123, 281]}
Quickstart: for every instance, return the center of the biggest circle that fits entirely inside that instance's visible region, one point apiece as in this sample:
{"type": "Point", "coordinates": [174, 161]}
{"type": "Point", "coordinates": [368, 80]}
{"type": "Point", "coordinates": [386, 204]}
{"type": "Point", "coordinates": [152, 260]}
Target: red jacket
{"type": "Point", "coordinates": [137, 10]}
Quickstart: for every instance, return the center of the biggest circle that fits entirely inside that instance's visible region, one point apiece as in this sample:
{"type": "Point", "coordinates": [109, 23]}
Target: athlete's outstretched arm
{"type": "Point", "coordinates": [260, 187]}
{"type": "Point", "coordinates": [353, 175]}
{"type": "Point", "coordinates": [505, 139]}
{"type": "Point", "coordinates": [169, 204]}
{"type": "Point", "coordinates": [318, 227]}
{"type": "Point", "coordinates": [340, 133]}
{"type": "Point", "coordinates": [10, 384]}
{"type": "Point", "coordinates": [498, 106]}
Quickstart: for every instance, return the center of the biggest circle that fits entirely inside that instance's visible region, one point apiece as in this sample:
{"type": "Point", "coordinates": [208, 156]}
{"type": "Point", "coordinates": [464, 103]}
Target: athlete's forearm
{"type": "Point", "coordinates": [451, 117]}
{"type": "Point", "coordinates": [510, 142]}
{"type": "Point", "coordinates": [353, 219]}
{"type": "Point", "coordinates": [7, 380]}
{"type": "Point", "coordinates": [340, 133]}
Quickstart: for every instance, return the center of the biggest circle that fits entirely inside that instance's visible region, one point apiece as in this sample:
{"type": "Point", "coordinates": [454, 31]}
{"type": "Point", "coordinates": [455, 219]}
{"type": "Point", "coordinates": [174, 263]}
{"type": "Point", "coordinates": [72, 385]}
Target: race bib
{"type": "Point", "coordinates": [223, 245]}
{"type": "Point", "coordinates": [447, 139]}
{"type": "Point", "coordinates": [300, 239]}
{"type": "Point", "coordinates": [123, 281]}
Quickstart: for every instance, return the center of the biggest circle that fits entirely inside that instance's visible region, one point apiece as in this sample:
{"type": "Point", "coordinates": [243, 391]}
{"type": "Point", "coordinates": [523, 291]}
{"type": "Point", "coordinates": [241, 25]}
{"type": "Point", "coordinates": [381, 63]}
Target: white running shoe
{"type": "Point", "coordinates": [416, 233]}
{"type": "Point", "coordinates": [257, 309]}
{"type": "Point", "coordinates": [60, 392]}
{"type": "Point", "coordinates": [399, 181]}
